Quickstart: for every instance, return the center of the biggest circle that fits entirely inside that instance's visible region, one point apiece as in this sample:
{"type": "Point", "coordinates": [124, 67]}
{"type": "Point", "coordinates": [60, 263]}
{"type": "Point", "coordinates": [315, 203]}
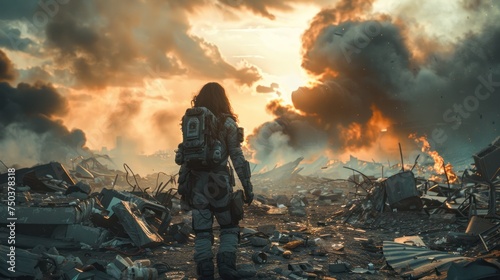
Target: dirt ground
{"type": "Point", "coordinates": [361, 241]}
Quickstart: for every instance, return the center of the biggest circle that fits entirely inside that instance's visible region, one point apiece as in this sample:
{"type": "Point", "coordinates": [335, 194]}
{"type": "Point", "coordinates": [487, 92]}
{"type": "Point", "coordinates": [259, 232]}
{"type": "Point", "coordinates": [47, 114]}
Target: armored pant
{"type": "Point", "coordinates": [211, 197]}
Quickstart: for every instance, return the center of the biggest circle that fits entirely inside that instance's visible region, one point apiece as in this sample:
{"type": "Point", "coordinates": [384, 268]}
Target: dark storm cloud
{"type": "Point", "coordinates": [108, 43]}
{"type": "Point", "coordinates": [264, 8]}
{"type": "Point", "coordinates": [28, 129]}
{"type": "Point", "coordinates": [7, 71]}
{"type": "Point", "coordinates": [16, 10]}
{"type": "Point", "coordinates": [30, 16]}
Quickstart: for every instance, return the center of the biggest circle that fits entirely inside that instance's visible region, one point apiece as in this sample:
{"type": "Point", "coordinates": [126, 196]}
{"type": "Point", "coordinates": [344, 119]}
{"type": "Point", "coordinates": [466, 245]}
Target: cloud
{"type": "Point", "coordinates": [261, 7]}
{"type": "Point", "coordinates": [34, 74]}
{"type": "Point", "coordinates": [15, 10]}
{"type": "Point", "coordinates": [265, 89]}
{"type": "Point", "coordinates": [10, 38]}
{"type": "Point", "coordinates": [113, 62]}
{"type": "Point", "coordinates": [7, 71]}
{"type": "Point", "coordinates": [112, 44]}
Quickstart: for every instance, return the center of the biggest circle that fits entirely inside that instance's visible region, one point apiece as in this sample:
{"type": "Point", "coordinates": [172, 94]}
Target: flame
{"type": "Point", "coordinates": [356, 135]}
{"type": "Point", "coordinates": [378, 121]}
{"type": "Point", "coordinates": [452, 176]}
{"type": "Point", "coordinates": [438, 160]}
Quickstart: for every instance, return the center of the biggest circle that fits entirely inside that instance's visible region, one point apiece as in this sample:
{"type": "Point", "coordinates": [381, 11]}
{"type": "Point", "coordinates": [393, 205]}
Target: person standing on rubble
{"type": "Point", "coordinates": [209, 192]}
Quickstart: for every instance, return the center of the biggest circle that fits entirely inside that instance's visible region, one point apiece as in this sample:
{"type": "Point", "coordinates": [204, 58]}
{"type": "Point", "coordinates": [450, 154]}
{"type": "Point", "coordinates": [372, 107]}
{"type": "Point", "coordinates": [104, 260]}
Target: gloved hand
{"type": "Point", "coordinates": [248, 190]}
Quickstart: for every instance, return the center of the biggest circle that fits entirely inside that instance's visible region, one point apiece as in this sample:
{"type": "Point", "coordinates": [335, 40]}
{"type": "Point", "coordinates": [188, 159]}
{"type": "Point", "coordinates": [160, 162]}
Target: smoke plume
{"type": "Point", "coordinates": [30, 131]}
{"type": "Point", "coordinates": [372, 82]}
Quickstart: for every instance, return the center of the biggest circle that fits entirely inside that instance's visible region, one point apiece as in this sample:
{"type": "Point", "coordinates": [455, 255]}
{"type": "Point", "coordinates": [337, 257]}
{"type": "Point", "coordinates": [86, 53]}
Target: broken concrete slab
{"type": "Point", "coordinates": [26, 264]}
{"type": "Point", "coordinates": [109, 198]}
{"type": "Point", "coordinates": [91, 236]}
{"type": "Point", "coordinates": [30, 241]}
{"type": "Point", "coordinates": [141, 233]}
{"type": "Point", "coordinates": [54, 169]}
{"type": "Point", "coordinates": [51, 210]}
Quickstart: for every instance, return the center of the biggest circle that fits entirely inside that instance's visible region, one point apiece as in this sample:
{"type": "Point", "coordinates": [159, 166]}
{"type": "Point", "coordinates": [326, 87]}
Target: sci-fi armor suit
{"type": "Point", "coordinates": [209, 193]}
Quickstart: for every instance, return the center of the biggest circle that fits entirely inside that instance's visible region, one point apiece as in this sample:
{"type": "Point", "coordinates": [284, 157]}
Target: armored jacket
{"type": "Point", "coordinates": [231, 137]}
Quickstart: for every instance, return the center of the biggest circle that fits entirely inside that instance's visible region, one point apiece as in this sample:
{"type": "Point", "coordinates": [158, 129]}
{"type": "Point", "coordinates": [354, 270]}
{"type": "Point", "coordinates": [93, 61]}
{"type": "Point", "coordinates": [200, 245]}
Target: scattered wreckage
{"type": "Point", "coordinates": [397, 222]}
{"type": "Point", "coordinates": [53, 211]}
{"type": "Point", "coordinates": [409, 205]}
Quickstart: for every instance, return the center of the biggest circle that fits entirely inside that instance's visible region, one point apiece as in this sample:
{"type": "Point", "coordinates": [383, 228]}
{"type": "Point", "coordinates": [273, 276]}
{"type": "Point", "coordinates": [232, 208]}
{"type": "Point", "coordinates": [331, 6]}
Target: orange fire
{"type": "Point", "coordinates": [356, 136]}
{"type": "Point", "coordinates": [438, 160]}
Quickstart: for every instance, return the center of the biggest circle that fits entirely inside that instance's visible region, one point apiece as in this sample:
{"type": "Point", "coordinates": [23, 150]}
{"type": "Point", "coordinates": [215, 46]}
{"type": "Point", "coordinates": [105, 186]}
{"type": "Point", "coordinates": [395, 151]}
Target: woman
{"type": "Point", "coordinates": [210, 190]}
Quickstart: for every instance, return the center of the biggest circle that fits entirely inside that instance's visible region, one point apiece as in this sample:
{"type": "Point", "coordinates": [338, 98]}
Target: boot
{"type": "Point", "coordinates": [205, 269]}
{"type": "Point", "coordinates": [226, 263]}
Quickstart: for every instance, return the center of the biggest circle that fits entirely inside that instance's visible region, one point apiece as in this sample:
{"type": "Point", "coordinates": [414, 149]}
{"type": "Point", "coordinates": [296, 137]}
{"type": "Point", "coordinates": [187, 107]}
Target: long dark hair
{"type": "Point", "coordinates": [213, 97]}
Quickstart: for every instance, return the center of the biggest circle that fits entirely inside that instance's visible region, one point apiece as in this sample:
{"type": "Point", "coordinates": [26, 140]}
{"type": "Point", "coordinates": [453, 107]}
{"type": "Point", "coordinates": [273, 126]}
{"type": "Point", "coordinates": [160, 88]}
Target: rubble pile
{"type": "Point", "coordinates": [54, 211]}
{"type": "Point", "coordinates": [367, 226]}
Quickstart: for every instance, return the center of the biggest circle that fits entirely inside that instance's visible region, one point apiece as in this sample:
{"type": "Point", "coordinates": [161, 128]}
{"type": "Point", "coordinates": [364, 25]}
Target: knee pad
{"type": "Point", "coordinates": [206, 234]}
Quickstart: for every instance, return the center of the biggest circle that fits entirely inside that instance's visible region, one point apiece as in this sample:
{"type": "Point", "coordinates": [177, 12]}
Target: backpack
{"type": "Point", "coordinates": [200, 149]}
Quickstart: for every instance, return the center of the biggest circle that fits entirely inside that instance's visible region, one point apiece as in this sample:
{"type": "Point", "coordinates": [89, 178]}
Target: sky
{"type": "Point", "coordinates": [306, 78]}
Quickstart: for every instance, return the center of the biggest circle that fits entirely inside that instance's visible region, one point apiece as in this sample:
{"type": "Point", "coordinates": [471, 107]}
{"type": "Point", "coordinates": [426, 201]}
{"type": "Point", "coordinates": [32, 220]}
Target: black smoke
{"type": "Point", "coordinates": [30, 131]}
{"type": "Point", "coordinates": [367, 67]}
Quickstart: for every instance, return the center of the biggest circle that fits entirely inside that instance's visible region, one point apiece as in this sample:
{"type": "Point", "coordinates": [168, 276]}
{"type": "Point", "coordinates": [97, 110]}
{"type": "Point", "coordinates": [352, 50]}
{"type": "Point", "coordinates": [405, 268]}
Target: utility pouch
{"type": "Point", "coordinates": [236, 206]}
{"type": "Point", "coordinates": [183, 188]}
{"type": "Point", "coordinates": [186, 182]}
